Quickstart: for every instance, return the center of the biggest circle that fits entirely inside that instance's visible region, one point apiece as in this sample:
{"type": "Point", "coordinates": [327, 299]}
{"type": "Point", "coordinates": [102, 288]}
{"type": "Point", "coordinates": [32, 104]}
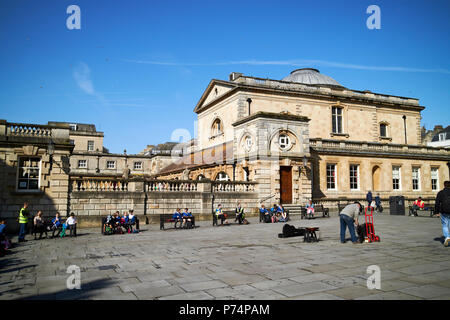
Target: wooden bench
{"type": "Point", "coordinates": [231, 217]}
{"type": "Point", "coordinates": [426, 208]}
{"type": "Point", "coordinates": [168, 218]}
{"type": "Point", "coordinates": [317, 209]}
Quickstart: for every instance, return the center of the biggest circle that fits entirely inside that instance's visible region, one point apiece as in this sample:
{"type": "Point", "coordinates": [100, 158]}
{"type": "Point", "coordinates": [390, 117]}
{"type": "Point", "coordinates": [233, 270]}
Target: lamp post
{"type": "Point", "coordinates": [51, 152]}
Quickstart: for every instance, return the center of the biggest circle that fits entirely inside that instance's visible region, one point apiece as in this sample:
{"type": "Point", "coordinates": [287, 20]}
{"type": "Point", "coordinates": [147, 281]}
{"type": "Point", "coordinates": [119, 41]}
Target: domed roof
{"type": "Point", "coordinates": [311, 76]}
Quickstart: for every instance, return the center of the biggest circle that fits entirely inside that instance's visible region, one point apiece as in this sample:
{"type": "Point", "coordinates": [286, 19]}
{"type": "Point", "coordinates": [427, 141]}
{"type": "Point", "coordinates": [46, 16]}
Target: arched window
{"type": "Point", "coordinates": [248, 143]}
{"type": "Point", "coordinates": [217, 127]}
{"type": "Point", "coordinates": [284, 141]}
{"type": "Point", "coordinates": [222, 176]}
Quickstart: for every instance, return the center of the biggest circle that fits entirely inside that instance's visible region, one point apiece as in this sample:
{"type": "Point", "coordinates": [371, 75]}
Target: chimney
{"type": "Point", "coordinates": [438, 128]}
{"type": "Point", "coordinates": [235, 75]}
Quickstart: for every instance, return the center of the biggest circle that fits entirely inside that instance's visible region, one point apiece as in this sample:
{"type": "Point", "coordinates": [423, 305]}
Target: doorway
{"type": "Point", "coordinates": [286, 185]}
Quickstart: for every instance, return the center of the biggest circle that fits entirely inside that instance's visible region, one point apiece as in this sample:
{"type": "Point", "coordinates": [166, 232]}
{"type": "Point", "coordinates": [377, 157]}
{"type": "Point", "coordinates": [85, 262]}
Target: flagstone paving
{"type": "Point", "coordinates": [234, 262]}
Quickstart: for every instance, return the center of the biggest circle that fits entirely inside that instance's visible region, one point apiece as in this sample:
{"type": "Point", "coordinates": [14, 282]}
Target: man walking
{"type": "Point", "coordinates": [348, 217]}
{"type": "Point", "coordinates": [23, 221]}
{"type": "Point", "coordinates": [442, 208]}
{"type": "Point", "coordinates": [369, 198]}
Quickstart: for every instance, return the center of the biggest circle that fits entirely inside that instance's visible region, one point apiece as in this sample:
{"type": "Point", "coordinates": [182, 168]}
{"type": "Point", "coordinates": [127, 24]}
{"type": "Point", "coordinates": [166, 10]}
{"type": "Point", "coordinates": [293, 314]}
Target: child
{"type": "Point", "coordinates": [5, 244]}
{"type": "Point", "coordinates": [177, 217]}
{"type": "Point", "coordinates": [187, 218]}
{"type": "Point", "coordinates": [264, 213]}
{"type": "Point", "coordinates": [310, 209]}
{"type": "Point", "coordinates": [56, 225]}
{"type": "Point", "coordinates": [72, 225]}
{"type": "Point", "coordinates": [39, 226]}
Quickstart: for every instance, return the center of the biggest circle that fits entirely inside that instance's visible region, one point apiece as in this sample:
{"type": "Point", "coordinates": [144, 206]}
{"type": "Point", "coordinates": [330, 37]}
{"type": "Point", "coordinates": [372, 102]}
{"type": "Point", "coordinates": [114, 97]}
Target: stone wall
{"type": "Point", "coordinates": [92, 199]}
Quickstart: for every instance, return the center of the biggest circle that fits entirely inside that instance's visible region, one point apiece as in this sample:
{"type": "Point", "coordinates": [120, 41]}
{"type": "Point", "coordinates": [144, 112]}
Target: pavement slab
{"type": "Point", "coordinates": [232, 263]}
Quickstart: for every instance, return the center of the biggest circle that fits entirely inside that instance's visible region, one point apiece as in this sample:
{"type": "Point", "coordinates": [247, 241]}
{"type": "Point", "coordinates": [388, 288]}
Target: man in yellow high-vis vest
{"type": "Point", "coordinates": [23, 221]}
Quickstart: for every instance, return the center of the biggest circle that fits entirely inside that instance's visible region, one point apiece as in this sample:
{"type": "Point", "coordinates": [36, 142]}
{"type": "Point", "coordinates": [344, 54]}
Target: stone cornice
{"type": "Point", "coordinates": [271, 115]}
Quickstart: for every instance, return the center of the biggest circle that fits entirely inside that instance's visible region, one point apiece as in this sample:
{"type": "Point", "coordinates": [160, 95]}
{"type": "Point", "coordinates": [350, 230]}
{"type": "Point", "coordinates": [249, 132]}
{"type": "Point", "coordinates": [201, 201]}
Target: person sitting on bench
{"type": "Point", "coordinates": [221, 215]}
{"type": "Point", "coordinates": [72, 225]}
{"type": "Point", "coordinates": [274, 212]}
{"type": "Point", "coordinates": [39, 225]}
{"type": "Point", "coordinates": [310, 208]}
{"type": "Point", "coordinates": [417, 205]}
{"type": "Point", "coordinates": [240, 216]}
{"type": "Point", "coordinates": [133, 220]}
{"type": "Point", "coordinates": [177, 217]}
{"type": "Point", "coordinates": [266, 214]}
{"type": "Point", "coordinates": [187, 219]}
{"type": "Point", "coordinates": [281, 214]}
{"type": "Point", "coordinates": [56, 225]}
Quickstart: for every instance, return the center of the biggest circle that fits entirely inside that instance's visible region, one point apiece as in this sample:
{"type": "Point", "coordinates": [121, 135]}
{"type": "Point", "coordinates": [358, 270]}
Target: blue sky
{"type": "Point", "coordinates": [136, 69]}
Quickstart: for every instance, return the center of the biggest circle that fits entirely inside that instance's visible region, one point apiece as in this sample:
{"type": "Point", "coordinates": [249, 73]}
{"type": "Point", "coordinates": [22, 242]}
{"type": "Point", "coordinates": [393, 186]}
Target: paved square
{"type": "Point", "coordinates": [234, 262]}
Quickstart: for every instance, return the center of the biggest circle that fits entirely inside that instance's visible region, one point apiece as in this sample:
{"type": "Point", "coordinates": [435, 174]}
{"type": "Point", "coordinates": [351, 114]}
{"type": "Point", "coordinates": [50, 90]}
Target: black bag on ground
{"type": "Point", "coordinates": [291, 231]}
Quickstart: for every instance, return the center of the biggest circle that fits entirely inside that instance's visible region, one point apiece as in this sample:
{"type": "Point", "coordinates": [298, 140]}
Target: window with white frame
{"type": "Point", "coordinates": [82, 164]}
{"type": "Point", "coordinates": [222, 176]}
{"type": "Point", "coordinates": [442, 136]}
{"type": "Point", "coordinates": [284, 141]}
{"type": "Point", "coordinates": [434, 179]}
{"type": "Point", "coordinates": [331, 176]}
{"type": "Point", "coordinates": [73, 127]}
{"type": "Point", "coordinates": [90, 145]}
{"type": "Point", "coordinates": [110, 164]}
{"type": "Point", "coordinates": [216, 127]}
{"type": "Point", "coordinates": [396, 182]}
{"type": "Point", "coordinates": [336, 120]}
{"type": "Point", "coordinates": [354, 177]}
{"type": "Point", "coordinates": [29, 173]}
{"type": "Point", "coordinates": [138, 166]}
{"type": "Point", "coordinates": [416, 178]}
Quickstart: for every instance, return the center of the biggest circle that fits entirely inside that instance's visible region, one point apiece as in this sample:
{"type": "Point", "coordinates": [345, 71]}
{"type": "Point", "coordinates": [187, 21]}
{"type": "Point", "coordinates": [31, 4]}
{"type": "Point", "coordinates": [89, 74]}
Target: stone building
{"type": "Point", "coordinates": [34, 167]}
{"type": "Point", "coordinates": [307, 136]}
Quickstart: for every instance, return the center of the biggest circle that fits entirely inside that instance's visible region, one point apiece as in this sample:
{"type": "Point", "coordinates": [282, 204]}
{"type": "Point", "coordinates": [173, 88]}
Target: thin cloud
{"type": "Point", "coordinates": [295, 63]}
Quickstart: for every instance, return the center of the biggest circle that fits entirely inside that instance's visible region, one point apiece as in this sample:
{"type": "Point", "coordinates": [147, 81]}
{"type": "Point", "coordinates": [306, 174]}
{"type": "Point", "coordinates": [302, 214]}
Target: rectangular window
{"type": "Point", "coordinates": [383, 131]}
{"type": "Point", "coordinates": [29, 173]}
{"type": "Point", "coordinates": [396, 178]}
{"type": "Point", "coordinates": [442, 136]}
{"type": "Point", "coordinates": [354, 177]}
{"type": "Point", "coordinates": [73, 127]}
{"type": "Point", "coordinates": [331, 176]}
{"type": "Point", "coordinates": [337, 120]}
{"type": "Point", "coordinates": [110, 164]}
{"type": "Point", "coordinates": [416, 178]}
{"type": "Point", "coordinates": [90, 145]}
{"type": "Point", "coordinates": [137, 165]}
{"type": "Point", "coordinates": [434, 179]}
{"type": "Point", "coordinates": [82, 163]}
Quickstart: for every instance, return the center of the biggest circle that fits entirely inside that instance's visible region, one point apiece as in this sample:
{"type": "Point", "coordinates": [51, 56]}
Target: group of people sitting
{"type": "Point", "coordinates": [56, 225]}
{"type": "Point", "coordinates": [114, 223]}
{"type": "Point", "coordinates": [240, 215]}
{"type": "Point", "coordinates": [185, 219]}
{"type": "Point", "coordinates": [275, 214]}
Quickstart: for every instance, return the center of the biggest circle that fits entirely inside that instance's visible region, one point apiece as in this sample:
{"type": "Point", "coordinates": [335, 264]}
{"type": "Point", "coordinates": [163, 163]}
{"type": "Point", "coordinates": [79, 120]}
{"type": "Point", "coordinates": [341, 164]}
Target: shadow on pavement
{"type": "Point", "coordinates": [87, 291]}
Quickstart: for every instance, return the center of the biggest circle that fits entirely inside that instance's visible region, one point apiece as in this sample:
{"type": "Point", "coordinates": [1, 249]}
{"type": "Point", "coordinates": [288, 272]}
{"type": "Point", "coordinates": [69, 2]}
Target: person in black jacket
{"type": "Point", "coordinates": [442, 208]}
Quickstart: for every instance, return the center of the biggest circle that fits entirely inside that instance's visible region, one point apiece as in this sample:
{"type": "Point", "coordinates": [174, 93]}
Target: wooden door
{"type": "Point", "coordinates": [286, 184]}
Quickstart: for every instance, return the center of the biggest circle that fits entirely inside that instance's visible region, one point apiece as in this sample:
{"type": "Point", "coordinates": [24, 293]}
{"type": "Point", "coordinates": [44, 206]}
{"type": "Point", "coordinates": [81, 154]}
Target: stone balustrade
{"type": "Point", "coordinates": [376, 147]}
{"type": "Point", "coordinates": [96, 184]}
{"type": "Point", "coordinates": [233, 186]}
{"type": "Point", "coordinates": [28, 130]}
{"type": "Point", "coordinates": [171, 186]}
